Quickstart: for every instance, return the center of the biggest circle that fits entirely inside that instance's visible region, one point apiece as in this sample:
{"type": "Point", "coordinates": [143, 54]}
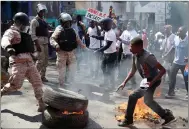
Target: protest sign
{"type": "Point", "coordinates": [95, 15]}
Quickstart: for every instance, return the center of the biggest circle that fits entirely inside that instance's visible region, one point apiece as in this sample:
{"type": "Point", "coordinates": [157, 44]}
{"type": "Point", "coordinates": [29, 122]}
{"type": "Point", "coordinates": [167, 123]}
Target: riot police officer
{"type": "Point", "coordinates": [19, 45]}
{"type": "Point", "coordinates": [39, 32]}
{"type": "Point", "coordinates": [65, 41]}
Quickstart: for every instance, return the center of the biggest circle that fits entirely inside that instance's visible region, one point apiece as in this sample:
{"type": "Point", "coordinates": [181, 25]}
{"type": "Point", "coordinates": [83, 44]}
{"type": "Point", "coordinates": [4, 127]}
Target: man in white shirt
{"type": "Point", "coordinates": [179, 62]}
{"type": "Point", "coordinates": [125, 39]}
{"type": "Point", "coordinates": [168, 54]}
{"type": "Point", "coordinates": [94, 30]}
{"type": "Point", "coordinates": [110, 54]}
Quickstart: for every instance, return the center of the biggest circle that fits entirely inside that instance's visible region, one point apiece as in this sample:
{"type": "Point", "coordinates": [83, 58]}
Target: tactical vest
{"type": "Point", "coordinates": [42, 29]}
{"type": "Point", "coordinates": [25, 46]}
{"type": "Point", "coordinates": [67, 40]}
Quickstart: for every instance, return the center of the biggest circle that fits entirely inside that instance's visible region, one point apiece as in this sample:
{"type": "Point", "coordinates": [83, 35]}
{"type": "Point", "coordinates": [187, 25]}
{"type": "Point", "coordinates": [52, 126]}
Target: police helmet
{"type": "Point", "coordinates": [41, 7]}
{"type": "Point", "coordinates": [64, 17]}
{"type": "Point", "coordinates": [21, 18]}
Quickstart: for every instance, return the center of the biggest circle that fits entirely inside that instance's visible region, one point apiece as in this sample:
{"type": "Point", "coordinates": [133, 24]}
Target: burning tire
{"type": "Point", "coordinates": [65, 100]}
{"type": "Point", "coordinates": [54, 118]}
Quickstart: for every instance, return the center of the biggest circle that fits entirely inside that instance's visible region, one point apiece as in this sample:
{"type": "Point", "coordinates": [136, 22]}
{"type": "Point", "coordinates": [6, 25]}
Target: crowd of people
{"type": "Point", "coordinates": [105, 46]}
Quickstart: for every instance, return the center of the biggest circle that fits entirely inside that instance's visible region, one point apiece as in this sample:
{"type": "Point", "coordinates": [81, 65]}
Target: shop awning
{"type": "Point", "coordinates": [80, 12]}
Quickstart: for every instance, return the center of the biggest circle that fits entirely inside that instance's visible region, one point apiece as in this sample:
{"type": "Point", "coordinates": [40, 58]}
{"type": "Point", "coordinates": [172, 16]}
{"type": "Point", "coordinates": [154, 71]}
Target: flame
{"type": "Point", "coordinates": [158, 92]}
{"type": "Point", "coordinates": [71, 113]}
{"type": "Point", "coordinates": [141, 111]}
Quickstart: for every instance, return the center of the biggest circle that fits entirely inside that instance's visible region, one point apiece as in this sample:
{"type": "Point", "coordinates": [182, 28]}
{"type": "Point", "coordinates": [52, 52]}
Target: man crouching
{"type": "Point", "coordinates": [152, 70]}
{"type": "Point", "coordinates": [20, 47]}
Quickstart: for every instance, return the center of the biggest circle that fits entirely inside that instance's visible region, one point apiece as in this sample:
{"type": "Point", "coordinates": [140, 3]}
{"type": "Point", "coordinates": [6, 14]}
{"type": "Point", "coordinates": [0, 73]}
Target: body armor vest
{"type": "Point", "coordinates": [67, 40]}
{"type": "Point", "coordinates": [25, 46]}
{"type": "Point", "coordinates": [42, 29]}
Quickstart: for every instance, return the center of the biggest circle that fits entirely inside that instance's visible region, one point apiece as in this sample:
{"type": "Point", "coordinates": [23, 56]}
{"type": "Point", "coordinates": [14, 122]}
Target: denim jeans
{"type": "Point", "coordinates": [148, 100]}
{"type": "Point", "coordinates": [174, 70]}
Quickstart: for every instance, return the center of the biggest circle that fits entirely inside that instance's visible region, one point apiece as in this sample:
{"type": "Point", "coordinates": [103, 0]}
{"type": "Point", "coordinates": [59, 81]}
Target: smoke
{"type": "Point", "coordinates": [90, 64]}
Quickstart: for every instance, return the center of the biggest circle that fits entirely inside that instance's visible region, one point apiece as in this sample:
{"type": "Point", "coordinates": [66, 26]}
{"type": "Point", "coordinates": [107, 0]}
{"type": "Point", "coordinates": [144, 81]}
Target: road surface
{"type": "Point", "coordinates": [19, 110]}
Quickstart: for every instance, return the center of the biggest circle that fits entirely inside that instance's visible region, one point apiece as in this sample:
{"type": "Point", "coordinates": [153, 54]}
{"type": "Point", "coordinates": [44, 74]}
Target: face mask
{"type": "Point", "coordinates": [24, 29]}
{"type": "Point", "coordinates": [66, 25]}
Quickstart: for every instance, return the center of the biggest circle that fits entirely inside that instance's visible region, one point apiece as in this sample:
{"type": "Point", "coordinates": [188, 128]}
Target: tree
{"type": "Point", "coordinates": [179, 13]}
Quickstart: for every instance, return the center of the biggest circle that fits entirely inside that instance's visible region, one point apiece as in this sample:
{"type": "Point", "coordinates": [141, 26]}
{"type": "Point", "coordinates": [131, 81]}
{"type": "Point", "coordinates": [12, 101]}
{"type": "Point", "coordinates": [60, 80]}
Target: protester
{"type": "Point", "coordinates": [179, 63]}
{"type": "Point", "coordinates": [166, 48]}
{"type": "Point", "coordinates": [145, 39]}
{"type": "Point", "coordinates": [158, 41]}
{"type": "Point", "coordinates": [20, 47]}
{"type": "Point", "coordinates": [151, 41]}
{"type": "Point", "coordinates": [94, 30]}
{"type": "Point", "coordinates": [153, 71]}
{"type": "Point", "coordinates": [82, 35]}
{"type": "Point", "coordinates": [125, 39]}
{"type": "Point", "coordinates": [119, 48]}
{"type": "Point", "coordinates": [110, 54]}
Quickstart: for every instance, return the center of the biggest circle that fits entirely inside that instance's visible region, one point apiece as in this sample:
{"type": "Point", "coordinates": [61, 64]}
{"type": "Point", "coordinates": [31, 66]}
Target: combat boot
{"type": "Point", "coordinates": [42, 106]}
{"type": "Point", "coordinates": [3, 92]}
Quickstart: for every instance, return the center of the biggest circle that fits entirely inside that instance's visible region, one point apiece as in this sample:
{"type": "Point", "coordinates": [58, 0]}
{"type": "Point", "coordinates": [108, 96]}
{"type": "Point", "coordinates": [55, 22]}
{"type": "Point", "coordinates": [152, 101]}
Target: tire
{"type": "Point", "coordinates": [53, 118]}
{"type": "Point", "coordinates": [65, 100]}
{"type": "Point", "coordinates": [49, 117]}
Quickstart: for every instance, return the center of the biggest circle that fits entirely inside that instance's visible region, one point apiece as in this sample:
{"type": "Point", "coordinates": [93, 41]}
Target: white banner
{"type": "Point", "coordinates": [95, 15]}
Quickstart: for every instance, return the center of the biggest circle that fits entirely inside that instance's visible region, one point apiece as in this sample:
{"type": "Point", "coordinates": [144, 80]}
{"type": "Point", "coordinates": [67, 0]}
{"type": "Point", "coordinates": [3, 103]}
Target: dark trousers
{"type": "Point", "coordinates": [148, 100]}
{"type": "Point", "coordinates": [94, 62]}
{"type": "Point", "coordinates": [108, 66]}
{"type": "Point", "coordinates": [174, 70]}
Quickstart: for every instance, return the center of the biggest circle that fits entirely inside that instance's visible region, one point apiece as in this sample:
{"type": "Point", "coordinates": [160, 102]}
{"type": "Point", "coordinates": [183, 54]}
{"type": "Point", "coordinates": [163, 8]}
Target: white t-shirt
{"type": "Point", "coordinates": [158, 34]}
{"type": "Point", "coordinates": [110, 36]}
{"type": "Point", "coordinates": [127, 36]}
{"type": "Point", "coordinates": [169, 42]}
{"type": "Point", "coordinates": [103, 42]}
{"type": "Point", "coordinates": [94, 43]}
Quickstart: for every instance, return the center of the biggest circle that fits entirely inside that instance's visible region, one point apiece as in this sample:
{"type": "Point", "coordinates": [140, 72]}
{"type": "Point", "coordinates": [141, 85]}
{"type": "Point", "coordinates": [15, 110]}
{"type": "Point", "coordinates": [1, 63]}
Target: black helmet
{"type": "Point", "coordinates": [64, 17]}
{"type": "Point", "coordinates": [106, 23]}
{"type": "Point", "coordinates": [106, 20]}
{"type": "Point", "coordinates": [22, 18]}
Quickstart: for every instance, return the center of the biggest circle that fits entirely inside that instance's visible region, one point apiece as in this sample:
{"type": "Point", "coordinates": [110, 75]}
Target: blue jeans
{"type": "Point", "coordinates": [174, 70]}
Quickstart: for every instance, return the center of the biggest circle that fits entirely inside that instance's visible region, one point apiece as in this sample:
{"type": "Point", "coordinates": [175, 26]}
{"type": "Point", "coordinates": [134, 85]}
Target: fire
{"type": "Point", "coordinates": [158, 92]}
{"type": "Point", "coordinates": [141, 111]}
{"type": "Point", "coordinates": [71, 113]}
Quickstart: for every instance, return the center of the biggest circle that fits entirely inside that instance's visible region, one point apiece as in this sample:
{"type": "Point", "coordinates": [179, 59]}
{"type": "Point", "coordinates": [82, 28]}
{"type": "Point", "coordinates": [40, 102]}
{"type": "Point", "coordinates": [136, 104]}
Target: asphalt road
{"type": "Point", "coordinates": [19, 109]}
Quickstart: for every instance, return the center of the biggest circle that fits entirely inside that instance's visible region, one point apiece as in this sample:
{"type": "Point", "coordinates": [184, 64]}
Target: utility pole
{"type": "Point", "coordinates": [99, 6]}
{"type": "Point", "coordinates": [165, 12]}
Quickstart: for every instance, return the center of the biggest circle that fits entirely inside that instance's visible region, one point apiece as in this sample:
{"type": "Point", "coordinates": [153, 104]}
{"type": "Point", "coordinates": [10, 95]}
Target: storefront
{"type": "Point", "coordinates": [12, 7]}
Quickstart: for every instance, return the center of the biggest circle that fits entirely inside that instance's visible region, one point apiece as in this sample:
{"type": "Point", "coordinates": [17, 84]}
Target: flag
{"type": "Point", "coordinates": [186, 70]}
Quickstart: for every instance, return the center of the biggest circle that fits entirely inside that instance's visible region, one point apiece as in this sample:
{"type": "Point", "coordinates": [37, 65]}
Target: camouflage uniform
{"type": "Point", "coordinates": [42, 61]}
{"type": "Point", "coordinates": [22, 66]}
{"type": "Point", "coordinates": [4, 72]}
{"type": "Point", "coordinates": [65, 59]}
